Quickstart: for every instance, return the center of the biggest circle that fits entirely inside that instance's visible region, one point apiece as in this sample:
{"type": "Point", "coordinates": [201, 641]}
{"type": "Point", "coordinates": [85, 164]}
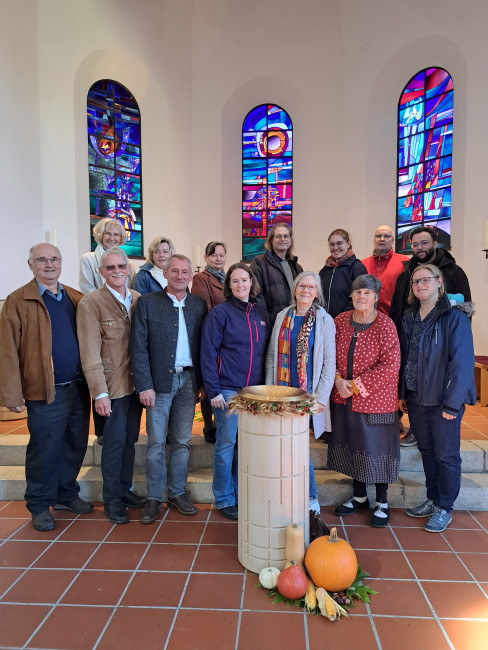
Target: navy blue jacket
{"type": "Point", "coordinates": [144, 282]}
{"type": "Point", "coordinates": [234, 339]}
{"type": "Point", "coordinates": [153, 338]}
{"type": "Point", "coordinates": [336, 284]}
{"type": "Point", "coordinates": [446, 358]}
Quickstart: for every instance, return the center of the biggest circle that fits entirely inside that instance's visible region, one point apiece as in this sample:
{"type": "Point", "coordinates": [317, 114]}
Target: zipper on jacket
{"type": "Point", "coordinates": [257, 333]}
{"type": "Point", "coordinates": [248, 310]}
{"type": "Point", "coordinates": [330, 288]}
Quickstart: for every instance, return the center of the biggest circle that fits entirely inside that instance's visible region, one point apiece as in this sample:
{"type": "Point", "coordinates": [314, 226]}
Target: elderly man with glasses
{"type": "Point", "coordinates": [104, 318]}
{"type": "Point", "coordinates": [385, 264]}
{"type": "Point", "coordinates": [40, 363]}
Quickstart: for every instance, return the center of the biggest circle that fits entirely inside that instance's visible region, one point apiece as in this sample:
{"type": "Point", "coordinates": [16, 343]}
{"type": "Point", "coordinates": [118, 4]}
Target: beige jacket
{"type": "Point", "coordinates": [103, 335]}
{"type": "Point", "coordinates": [26, 366]}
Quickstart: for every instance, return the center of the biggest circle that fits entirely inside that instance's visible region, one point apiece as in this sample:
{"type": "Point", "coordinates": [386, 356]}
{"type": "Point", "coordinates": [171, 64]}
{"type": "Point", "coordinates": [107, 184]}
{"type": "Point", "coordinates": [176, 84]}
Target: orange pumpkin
{"type": "Point", "coordinates": [331, 562]}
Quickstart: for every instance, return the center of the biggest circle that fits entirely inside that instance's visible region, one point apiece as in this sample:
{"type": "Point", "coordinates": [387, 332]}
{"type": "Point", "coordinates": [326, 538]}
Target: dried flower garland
{"type": "Point", "coordinates": [305, 406]}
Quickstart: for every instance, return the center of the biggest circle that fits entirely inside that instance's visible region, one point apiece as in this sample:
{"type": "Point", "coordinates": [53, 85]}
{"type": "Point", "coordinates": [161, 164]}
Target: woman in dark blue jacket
{"type": "Point", "coordinates": [234, 338]}
{"type": "Point", "coordinates": [340, 270]}
{"type": "Point", "coordinates": [150, 276]}
{"type": "Point", "coordinates": [436, 381]}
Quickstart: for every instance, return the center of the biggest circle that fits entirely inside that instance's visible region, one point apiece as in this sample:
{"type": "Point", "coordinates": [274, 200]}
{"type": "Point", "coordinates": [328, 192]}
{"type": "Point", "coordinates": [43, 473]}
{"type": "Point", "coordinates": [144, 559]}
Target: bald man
{"type": "Point", "coordinates": [385, 265]}
{"type": "Point", "coordinates": [40, 363]}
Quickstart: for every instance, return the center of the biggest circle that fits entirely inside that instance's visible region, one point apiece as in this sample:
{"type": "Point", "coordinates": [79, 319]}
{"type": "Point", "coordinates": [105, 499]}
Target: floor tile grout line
{"type": "Point", "coordinates": [423, 592]}
{"type": "Point", "coordinates": [241, 605]}
{"type": "Point", "coordinates": [124, 591]}
{"type": "Point", "coordinates": [78, 572]}
{"type": "Point", "coordinates": [178, 607]}
{"type": "Point", "coordinates": [478, 522]}
{"type": "Point", "coordinates": [26, 569]}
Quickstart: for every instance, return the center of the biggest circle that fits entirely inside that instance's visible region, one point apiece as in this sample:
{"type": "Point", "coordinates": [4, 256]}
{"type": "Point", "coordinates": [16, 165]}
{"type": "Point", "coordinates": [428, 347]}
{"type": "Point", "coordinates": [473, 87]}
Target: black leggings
{"type": "Point", "coordinates": [381, 490]}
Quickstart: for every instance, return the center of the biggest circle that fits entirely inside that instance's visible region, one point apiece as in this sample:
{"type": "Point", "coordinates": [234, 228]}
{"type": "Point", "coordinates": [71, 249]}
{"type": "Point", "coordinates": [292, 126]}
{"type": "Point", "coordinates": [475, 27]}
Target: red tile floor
{"type": "Point", "coordinates": [178, 584]}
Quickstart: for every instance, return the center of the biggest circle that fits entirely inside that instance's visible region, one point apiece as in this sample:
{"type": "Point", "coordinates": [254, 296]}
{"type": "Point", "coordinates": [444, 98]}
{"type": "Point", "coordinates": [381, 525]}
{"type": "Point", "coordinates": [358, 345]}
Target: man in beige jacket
{"type": "Point", "coordinates": [103, 320]}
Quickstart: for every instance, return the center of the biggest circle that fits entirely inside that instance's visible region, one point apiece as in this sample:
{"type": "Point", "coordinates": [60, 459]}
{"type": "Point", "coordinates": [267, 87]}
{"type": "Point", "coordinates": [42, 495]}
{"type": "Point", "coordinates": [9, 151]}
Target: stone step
{"type": "Point", "coordinates": [333, 488]}
{"type": "Point", "coordinates": [474, 454]}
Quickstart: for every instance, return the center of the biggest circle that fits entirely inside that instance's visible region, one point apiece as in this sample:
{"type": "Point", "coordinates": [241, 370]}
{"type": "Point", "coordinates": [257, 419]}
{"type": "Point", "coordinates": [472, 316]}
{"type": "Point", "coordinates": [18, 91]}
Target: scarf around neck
{"type": "Point", "coordinates": [220, 275]}
{"type": "Point", "coordinates": [302, 348]}
{"type": "Point", "coordinates": [330, 261]}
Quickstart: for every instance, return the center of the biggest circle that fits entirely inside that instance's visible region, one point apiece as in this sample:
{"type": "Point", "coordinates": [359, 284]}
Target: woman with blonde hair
{"type": "Point", "coordinates": [150, 275]}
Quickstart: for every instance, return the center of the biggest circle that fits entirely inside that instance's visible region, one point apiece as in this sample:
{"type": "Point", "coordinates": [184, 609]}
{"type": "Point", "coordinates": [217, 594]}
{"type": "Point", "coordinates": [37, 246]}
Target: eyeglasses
{"type": "Point", "coordinates": [112, 267]}
{"type": "Point", "coordinates": [310, 287]}
{"type": "Point", "coordinates": [337, 244]}
{"type": "Point", "coordinates": [426, 280]}
{"type": "Point", "coordinates": [424, 242]}
{"type": "Point", "coordinates": [42, 261]}
{"type": "Point", "coordinates": [282, 237]}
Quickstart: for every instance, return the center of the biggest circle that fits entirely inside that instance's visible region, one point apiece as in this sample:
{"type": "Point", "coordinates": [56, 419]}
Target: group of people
{"type": "Point", "coordinates": [368, 338]}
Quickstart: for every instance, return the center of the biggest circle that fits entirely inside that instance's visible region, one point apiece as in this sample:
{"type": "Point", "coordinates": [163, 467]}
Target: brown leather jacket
{"type": "Point", "coordinates": [26, 367]}
{"type": "Point", "coordinates": [103, 334]}
{"type": "Point", "coordinates": [208, 288]}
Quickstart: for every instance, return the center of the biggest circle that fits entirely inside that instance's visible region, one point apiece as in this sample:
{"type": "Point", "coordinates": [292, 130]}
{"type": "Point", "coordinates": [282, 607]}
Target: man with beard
{"type": "Point", "coordinates": [423, 240]}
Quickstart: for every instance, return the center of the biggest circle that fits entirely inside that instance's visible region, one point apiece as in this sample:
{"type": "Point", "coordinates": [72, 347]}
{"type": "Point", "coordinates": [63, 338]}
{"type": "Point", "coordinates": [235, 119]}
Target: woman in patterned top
{"type": "Point", "coordinates": [364, 442]}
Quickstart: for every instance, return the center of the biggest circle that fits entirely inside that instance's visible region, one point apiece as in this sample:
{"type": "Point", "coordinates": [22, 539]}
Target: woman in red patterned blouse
{"type": "Point", "coordinates": [364, 442]}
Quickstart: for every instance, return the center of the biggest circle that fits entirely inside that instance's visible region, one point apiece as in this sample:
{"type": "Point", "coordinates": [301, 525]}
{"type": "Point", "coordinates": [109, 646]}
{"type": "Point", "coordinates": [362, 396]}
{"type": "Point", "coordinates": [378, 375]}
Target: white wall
{"type": "Point", "coordinates": [196, 68]}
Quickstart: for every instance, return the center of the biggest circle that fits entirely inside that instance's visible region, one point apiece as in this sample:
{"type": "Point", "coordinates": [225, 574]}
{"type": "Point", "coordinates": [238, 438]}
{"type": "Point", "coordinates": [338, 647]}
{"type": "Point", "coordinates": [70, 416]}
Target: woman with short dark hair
{"type": "Point", "coordinates": [364, 442]}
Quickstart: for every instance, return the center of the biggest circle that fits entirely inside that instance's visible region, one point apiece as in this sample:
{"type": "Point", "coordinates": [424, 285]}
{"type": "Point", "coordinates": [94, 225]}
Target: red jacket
{"type": "Point", "coordinates": [387, 268]}
{"type": "Point", "coordinates": [376, 364]}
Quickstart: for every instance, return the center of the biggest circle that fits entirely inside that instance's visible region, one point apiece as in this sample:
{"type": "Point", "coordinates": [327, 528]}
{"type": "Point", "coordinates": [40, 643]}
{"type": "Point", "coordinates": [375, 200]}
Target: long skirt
{"type": "Point", "coordinates": [369, 453]}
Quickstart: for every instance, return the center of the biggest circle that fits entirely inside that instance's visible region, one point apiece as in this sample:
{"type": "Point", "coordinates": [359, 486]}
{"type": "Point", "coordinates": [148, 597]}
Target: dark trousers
{"type": "Point", "coordinates": [120, 434]}
{"type": "Point", "coordinates": [439, 442]}
{"type": "Point", "coordinates": [207, 414]}
{"type": "Point", "coordinates": [57, 446]}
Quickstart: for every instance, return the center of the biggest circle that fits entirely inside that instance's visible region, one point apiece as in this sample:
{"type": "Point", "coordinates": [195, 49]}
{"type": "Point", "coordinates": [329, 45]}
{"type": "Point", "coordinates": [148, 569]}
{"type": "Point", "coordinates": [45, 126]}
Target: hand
{"type": "Point", "coordinates": [201, 394]}
{"type": "Point", "coordinates": [448, 416]}
{"type": "Point", "coordinates": [15, 409]}
{"type": "Point", "coordinates": [218, 402]}
{"type": "Point", "coordinates": [103, 406]}
{"type": "Point", "coordinates": [320, 407]}
{"type": "Point", "coordinates": [402, 405]}
{"type": "Point", "coordinates": [148, 398]}
{"type": "Point", "coordinates": [343, 387]}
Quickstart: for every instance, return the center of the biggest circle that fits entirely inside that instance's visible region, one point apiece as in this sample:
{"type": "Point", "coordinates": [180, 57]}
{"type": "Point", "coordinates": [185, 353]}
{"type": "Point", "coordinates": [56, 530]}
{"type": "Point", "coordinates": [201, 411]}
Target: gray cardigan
{"type": "Point", "coordinates": [324, 364]}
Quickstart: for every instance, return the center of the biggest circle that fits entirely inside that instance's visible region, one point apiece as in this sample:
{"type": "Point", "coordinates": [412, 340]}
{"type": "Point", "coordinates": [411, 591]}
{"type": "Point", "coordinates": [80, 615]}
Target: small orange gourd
{"type": "Point", "coordinates": [295, 545]}
{"type": "Point", "coordinates": [331, 562]}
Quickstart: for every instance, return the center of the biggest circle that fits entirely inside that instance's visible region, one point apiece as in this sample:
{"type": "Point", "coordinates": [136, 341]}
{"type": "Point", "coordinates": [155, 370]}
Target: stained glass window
{"type": "Point", "coordinates": [114, 160]}
{"type": "Point", "coordinates": [267, 175]}
{"type": "Point", "coordinates": [425, 113]}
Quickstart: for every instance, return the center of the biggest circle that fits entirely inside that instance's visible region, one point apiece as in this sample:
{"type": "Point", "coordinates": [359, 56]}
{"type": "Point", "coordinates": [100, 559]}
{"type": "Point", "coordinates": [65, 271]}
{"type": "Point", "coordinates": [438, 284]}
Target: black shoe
{"type": "Point", "coordinates": [133, 500]}
{"type": "Point", "coordinates": [43, 521]}
{"type": "Point", "coordinates": [100, 440]}
{"type": "Point", "coordinates": [350, 507]}
{"type": "Point", "coordinates": [150, 511]}
{"type": "Point", "coordinates": [380, 522]}
{"type": "Point", "coordinates": [78, 506]}
{"type": "Point", "coordinates": [209, 435]}
{"type": "Point", "coordinates": [116, 512]}
{"type": "Point", "coordinates": [230, 512]}
{"type": "Point", "coordinates": [324, 437]}
{"type": "Point", "coordinates": [183, 504]}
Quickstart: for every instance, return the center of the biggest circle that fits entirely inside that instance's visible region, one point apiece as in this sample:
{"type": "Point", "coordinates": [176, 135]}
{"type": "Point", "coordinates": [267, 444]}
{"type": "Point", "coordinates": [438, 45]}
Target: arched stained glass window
{"type": "Point", "coordinates": [425, 113]}
{"type": "Point", "coordinates": [114, 160]}
{"type": "Point", "coordinates": [267, 175]}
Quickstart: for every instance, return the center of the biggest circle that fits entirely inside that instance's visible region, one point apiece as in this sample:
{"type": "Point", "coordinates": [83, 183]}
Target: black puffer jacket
{"type": "Point", "coordinates": [337, 282]}
{"type": "Point", "coordinates": [274, 294]}
{"type": "Point", "coordinates": [455, 281]}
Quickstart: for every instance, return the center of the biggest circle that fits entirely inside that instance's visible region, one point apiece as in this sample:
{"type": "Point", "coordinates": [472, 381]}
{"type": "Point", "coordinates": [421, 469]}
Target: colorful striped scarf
{"type": "Point", "coordinates": [302, 348]}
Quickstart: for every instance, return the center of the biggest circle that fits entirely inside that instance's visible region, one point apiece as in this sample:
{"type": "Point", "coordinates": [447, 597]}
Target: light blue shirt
{"type": "Point", "coordinates": [183, 354]}
{"type": "Point", "coordinates": [58, 296]}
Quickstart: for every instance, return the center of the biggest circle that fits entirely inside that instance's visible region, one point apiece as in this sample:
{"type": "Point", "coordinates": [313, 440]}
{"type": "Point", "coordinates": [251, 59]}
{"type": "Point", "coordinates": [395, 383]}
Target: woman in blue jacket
{"type": "Point", "coordinates": [436, 381]}
{"type": "Point", "coordinates": [150, 276]}
{"type": "Point", "coordinates": [234, 338]}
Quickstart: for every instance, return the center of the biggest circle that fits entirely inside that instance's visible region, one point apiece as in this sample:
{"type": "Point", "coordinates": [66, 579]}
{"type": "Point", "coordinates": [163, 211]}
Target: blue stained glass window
{"type": "Point", "coordinates": [425, 118]}
{"type": "Point", "coordinates": [267, 175]}
{"type": "Point", "coordinates": [114, 160]}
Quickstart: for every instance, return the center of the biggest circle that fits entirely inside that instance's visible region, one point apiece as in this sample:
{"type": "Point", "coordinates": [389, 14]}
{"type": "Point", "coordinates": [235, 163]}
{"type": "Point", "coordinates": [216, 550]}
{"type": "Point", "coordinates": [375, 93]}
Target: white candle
{"type": "Point", "coordinates": [196, 255]}
{"type": "Point", "coordinates": [54, 236]}
{"type": "Point", "coordinates": [486, 235]}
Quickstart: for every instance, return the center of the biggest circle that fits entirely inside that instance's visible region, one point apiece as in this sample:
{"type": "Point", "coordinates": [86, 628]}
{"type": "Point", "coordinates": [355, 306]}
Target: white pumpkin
{"type": "Point", "coordinates": [269, 577]}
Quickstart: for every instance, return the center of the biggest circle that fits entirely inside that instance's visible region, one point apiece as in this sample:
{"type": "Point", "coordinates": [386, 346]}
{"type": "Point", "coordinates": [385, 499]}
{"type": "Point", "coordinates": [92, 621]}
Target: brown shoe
{"type": "Point", "coordinates": [150, 511]}
{"type": "Point", "coordinates": [183, 504]}
{"type": "Point", "coordinates": [408, 440]}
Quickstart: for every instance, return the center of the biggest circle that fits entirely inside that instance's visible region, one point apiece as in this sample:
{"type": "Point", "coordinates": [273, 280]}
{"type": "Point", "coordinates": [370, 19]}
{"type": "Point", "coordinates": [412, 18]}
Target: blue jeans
{"type": "Point", "coordinates": [179, 404]}
{"type": "Point", "coordinates": [120, 434]}
{"type": "Point", "coordinates": [439, 443]}
{"type": "Point", "coordinates": [311, 480]}
{"type": "Point", "coordinates": [224, 484]}
{"type": "Point", "coordinates": [57, 446]}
